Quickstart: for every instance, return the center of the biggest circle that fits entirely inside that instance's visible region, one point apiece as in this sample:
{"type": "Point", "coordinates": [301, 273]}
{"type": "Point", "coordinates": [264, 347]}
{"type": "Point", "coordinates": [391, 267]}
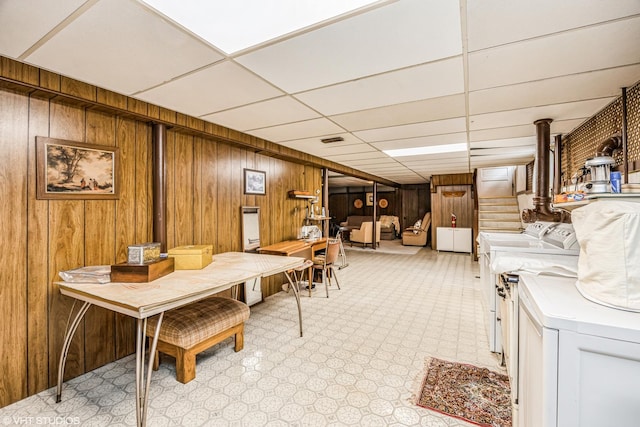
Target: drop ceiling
{"type": "Point", "coordinates": [387, 75]}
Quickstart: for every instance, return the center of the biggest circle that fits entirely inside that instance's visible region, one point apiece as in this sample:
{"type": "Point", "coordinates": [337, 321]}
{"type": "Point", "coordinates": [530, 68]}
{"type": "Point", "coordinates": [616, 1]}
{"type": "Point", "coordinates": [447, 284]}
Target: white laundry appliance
{"type": "Point", "coordinates": [554, 254]}
{"type": "Point", "coordinates": [579, 360]}
{"type": "Point", "coordinates": [492, 244]}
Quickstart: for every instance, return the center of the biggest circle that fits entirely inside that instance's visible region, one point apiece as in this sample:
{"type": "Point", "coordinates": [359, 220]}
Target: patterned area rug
{"type": "Point", "coordinates": [473, 394]}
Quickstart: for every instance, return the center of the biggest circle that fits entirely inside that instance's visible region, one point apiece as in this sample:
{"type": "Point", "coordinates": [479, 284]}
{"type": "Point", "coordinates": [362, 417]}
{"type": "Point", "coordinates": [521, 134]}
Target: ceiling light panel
{"type": "Point", "coordinates": [571, 110]}
{"type": "Point", "coordinates": [436, 127]}
{"type": "Point", "coordinates": [362, 45]}
{"type": "Point", "coordinates": [299, 130]}
{"type": "Point", "coordinates": [550, 16]}
{"type": "Point", "coordinates": [565, 53]}
{"type": "Point", "coordinates": [234, 26]}
{"type": "Point", "coordinates": [98, 48]}
{"type": "Point", "coordinates": [262, 114]}
{"type": "Point", "coordinates": [404, 113]}
{"type": "Point", "coordinates": [221, 86]}
{"type": "Point", "coordinates": [450, 138]}
{"type": "Point", "coordinates": [574, 87]}
{"type": "Point", "coordinates": [429, 150]}
{"type": "Point", "coordinates": [431, 80]}
{"type": "Point", "coordinates": [23, 22]}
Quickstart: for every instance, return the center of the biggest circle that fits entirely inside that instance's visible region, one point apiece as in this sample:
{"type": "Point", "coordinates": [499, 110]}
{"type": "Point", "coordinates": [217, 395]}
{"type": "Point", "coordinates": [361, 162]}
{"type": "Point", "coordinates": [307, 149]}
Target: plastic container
{"type": "Point", "coordinates": [615, 182]}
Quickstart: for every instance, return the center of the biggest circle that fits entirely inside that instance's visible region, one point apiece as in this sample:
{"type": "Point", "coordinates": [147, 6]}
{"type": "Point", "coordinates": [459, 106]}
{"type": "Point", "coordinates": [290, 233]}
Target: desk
{"type": "Point", "coordinates": [299, 248]}
{"type": "Point", "coordinates": [142, 300]}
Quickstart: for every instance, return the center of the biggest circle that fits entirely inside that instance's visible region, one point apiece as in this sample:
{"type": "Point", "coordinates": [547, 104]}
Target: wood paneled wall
{"type": "Point", "coordinates": [341, 204]}
{"type": "Point", "coordinates": [451, 194]}
{"type": "Point", "coordinates": [42, 237]}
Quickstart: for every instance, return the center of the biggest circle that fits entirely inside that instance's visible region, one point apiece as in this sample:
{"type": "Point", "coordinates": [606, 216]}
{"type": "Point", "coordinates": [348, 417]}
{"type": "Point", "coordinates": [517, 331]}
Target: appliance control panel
{"type": "Point", "coordinates": [539, 228]}
{"type": "Point", "coordinates": [563, 236]}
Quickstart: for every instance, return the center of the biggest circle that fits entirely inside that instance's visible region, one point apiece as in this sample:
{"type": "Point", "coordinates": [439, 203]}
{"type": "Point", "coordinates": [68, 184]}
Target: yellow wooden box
{"type": "Point", "coordinates": [191, 257]}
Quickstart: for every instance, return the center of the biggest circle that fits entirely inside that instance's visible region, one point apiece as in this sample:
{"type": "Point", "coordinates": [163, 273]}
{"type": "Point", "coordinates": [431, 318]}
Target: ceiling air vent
{"type": "Point", "coordinates": [334, 139]}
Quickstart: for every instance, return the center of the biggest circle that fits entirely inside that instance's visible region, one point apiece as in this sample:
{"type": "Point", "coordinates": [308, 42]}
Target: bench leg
{"type": "Point", "coordinates": [156, 361]}
{"type": "Point", "coordinates": [239, 337]}
{"type": "Point", "coordinates": [185, 365]}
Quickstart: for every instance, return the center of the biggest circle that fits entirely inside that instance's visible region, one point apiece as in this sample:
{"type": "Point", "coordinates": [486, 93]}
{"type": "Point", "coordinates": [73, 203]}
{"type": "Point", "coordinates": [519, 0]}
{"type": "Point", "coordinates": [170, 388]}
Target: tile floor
{"type": "Point", "coordinates": [357, 365]}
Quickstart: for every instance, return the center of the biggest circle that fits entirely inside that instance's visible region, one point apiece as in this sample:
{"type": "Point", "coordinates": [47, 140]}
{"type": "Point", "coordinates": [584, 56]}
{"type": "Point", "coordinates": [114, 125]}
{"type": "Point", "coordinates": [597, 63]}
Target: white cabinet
{"type": "Point", "coordinates": [454, 239]}
{"type": "Point", "coordinates": [579, 362]}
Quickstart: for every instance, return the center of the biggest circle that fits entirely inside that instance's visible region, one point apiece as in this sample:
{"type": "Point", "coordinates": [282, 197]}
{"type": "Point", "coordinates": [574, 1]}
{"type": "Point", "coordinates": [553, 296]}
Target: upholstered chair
{"type": "Point", "coordinates": [363, 235]}
{"type": "Point", "coordinates": [417, 236]}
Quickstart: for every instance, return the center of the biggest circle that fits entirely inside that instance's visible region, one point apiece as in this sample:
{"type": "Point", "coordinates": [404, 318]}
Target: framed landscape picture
{"type": "Point", "coordinates": [73, 170]}
{"type": "Point", "coordinates": [255, 182]}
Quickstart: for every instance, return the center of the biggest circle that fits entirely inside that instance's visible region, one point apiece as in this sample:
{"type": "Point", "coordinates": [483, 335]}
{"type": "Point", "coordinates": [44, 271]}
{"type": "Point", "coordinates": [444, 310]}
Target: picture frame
{"type": "Point", "coordinates": [74, 170]}
{"type": "Point", "coordinates": [369, 199]}
{"type": "Point", "coordinates": [255, 182]}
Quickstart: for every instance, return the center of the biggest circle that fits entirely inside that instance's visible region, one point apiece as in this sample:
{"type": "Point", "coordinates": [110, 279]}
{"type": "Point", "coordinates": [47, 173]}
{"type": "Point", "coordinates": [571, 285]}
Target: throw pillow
{"type": "Point", "coordinates": [416, 226]}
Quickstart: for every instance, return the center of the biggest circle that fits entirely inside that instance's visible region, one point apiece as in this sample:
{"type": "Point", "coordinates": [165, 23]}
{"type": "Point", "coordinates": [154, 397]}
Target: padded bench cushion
{"type": "Point", "coordinates": [189, 325]}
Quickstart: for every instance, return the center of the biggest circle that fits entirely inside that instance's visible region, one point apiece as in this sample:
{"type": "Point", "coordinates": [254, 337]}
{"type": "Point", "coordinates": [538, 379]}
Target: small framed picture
{"type": "Point", "coordinates": [73, 170]}
{"type": "Point", "coordinates": [369, 199]}
{"type": "Point", "coordinates": [255, 182]}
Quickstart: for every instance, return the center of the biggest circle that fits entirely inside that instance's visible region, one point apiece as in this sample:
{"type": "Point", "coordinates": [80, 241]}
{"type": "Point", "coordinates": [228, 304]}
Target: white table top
{"type": "Point", "coordinates": [141, 300]}
{"type": "Point", "coordinates": [558, 304]}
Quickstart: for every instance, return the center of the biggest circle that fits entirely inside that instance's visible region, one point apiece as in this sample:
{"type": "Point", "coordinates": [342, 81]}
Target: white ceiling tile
{"type": "Point", "coordinates": [504, 143]}
{"type": "Point", "coordinates": [571, 110]}
{"type": "Point", "coordinates": [495, 22]}
{"type": "Point", "coordinates": [404, 113]}
{"type": "Point", "coordinates": [218, 87]}
{"type": "Point", "coordinates": [299, 130]}
{"type": "Point", "coordinates": [574, 87]}
{"type": "Point", "coordinates": [317, 148]}
{"type": "Point", "coordinates": [551, 56]}
{"type": "Point", "coordinates": [410, 84]}
{"type": "Point", "coordinates": [122, 46]}
{"type": "Point", "coordinates": [263, 114]}
{"type": "Point", "coordinates": [502, 133]}
{"type": "Point", "coordinates": [24, 22]}
{"type": "Point", "coordinates": [366, 44]}
{"type": "Point", "coordinates": [424, 141]}
{"type": "Point", "coordinates": [388, 161]}
{"type": "Point", "coordinates": [359, 156]}
{"type": "Point", "coordinates": [436, 127]}
{"type": "Point", "coordinates": [521, 151]}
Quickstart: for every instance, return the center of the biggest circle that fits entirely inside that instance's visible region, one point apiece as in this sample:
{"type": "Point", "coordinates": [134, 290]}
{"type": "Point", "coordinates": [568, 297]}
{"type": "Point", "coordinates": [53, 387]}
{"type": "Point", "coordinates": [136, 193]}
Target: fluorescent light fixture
{"type": "Point", "coordinates": [431, 149]}
{"type": "Point", "coordinates": [238, 24]}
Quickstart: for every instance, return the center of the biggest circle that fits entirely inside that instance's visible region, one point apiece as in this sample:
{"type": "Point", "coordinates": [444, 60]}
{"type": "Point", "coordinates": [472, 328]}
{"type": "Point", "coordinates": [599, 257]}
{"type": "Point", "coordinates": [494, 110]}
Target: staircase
{"type": "Point", "coordinates": [499, 215]}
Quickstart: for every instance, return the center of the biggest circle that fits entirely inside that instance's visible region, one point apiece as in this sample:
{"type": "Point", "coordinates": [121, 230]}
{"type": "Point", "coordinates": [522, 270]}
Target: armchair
{"type": "Point", "coordinates": [363, 234]}
{"type": "Point", "coordinates": [417, 237]}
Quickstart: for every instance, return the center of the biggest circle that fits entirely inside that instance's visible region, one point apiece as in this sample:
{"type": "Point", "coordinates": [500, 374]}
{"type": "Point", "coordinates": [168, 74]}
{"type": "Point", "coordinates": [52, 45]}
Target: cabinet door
{"type": "Point", "coordinates": [445, 238]}
{"type": "Point", "coordinates": [537, 372]}
{"type": "Point", "coordinates": [461, 239]}
{"type": "Point", "coordinates": [598, 381]}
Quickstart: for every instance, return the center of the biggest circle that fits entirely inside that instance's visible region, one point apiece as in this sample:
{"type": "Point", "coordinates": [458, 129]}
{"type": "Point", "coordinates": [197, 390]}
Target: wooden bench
{"type": "Point", "coordinates": [189, 330]}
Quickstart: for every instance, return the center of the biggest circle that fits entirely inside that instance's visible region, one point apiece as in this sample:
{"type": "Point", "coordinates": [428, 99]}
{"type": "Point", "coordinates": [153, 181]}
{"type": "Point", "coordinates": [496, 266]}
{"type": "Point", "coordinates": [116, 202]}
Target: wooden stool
{"type": "Point", "coordinates": [189, 330]}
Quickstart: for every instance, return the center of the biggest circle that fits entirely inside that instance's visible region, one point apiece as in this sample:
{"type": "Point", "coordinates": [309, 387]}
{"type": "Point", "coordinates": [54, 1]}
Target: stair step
{"type": "Point", "coordinates": [498, 214]}
{"type": "Point", "coordinates": [500, 224]}
{"type": "Point", "coordinates": [500, 230]}
{"type": "Point", "coordinates": [498, 200]}
{"type": "Point", "coordinates": [501, 208]}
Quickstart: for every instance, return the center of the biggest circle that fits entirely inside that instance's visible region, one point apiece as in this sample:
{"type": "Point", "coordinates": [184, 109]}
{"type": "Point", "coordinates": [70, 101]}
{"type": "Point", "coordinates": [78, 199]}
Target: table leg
{"type": "Point", "coordinates": [296, 293]}
{"type": "Point", "coordinates": [143, 383]}
{"type": "Point", "coordinates": [68, 336]}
